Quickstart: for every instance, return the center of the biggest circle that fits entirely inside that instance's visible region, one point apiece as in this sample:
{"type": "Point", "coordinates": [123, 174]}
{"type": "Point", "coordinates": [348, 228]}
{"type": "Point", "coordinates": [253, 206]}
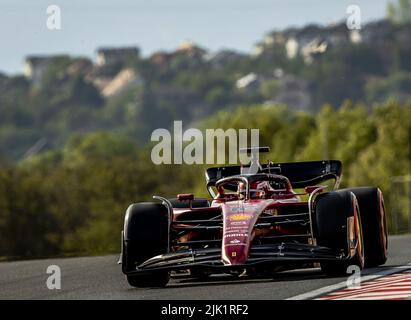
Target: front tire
{"type": "Point", "coordinates": [332, 211]}
{"type": "Point", "coordinates": [145, 236]}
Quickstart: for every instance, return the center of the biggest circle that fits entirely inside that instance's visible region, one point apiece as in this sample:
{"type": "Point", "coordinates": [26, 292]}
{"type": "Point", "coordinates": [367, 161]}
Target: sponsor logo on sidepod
{"type": "Point", "coordinates": [240, 216]}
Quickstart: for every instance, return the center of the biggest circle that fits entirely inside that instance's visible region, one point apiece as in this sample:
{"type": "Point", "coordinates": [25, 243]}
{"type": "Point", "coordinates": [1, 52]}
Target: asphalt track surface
{"type": "Point", "coordinates": [101, 278]}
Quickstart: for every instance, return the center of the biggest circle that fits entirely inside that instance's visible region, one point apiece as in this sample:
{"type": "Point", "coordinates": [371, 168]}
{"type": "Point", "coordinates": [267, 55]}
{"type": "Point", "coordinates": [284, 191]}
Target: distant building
{"type": "Point", "coordinates": [124, 79]}
{"type": "Point", "coordinates": [221, 58]}
{"type": "Point", "coordinates": [191, 49]}
{"type": "Point", "coordinates": [292, 48]}
{"type": "Point", "coordinates": [355, 36]}
{"type": "Point", "coordinates": [102, 75]}
{"type": "Point", "coordinates": [80, 66]}
{"type": "Point", "coordinates": [161, 60]}
{"type": "Point", "coordinates": [275, 38]}
{"type": "Point", "coordinates": [308, 42]}
{"type": "Point", "coordinates": [107, 56]}
{"type": "Point", "coordinates": [191, 54]}
{"type": "Point", "coordinates": [315, 47]}
{"type": "Point", "coordinates": [249, 81]}
{"type": "Point", "coordinates": [35, 66]}
{"type": "Point", "coordinates": [258, 49]}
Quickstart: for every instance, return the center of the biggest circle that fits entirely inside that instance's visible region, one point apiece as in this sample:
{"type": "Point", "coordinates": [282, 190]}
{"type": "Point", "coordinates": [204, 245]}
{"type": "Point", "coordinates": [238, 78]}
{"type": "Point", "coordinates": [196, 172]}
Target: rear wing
{"type": "Point", "coordinates": [300, 174]}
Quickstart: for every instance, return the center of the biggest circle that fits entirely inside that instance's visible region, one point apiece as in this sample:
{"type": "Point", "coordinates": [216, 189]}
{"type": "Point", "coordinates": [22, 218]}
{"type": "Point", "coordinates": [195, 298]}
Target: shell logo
{"type": "Point", "coordinates": [240, 216]}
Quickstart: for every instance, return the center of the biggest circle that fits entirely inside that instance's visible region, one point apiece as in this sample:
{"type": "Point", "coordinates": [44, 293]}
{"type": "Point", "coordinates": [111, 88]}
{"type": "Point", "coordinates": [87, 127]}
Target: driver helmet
{"type": "Point", "coordinates": [258, 189]}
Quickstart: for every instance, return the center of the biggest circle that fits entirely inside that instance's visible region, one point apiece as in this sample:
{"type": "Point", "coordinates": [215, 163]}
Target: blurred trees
{"type": "Point", "coordinates": [73, 201]}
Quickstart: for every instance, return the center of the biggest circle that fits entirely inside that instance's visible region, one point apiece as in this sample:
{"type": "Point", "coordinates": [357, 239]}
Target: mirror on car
{"type": "Point", "coordinates": [185, 197]}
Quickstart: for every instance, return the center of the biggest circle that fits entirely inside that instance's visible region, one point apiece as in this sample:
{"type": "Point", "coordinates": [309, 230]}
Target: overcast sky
{"type": "Point", "coordinates": [153, 24]}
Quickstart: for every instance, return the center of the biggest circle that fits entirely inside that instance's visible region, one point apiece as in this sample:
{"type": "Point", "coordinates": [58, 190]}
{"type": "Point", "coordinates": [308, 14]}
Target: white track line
{"type": "Point", "coordinates": [381, 290]}
{"type": "Point", "coordinates": [376, 285]}
{"type": "Point", "coordinates": [325, 290]}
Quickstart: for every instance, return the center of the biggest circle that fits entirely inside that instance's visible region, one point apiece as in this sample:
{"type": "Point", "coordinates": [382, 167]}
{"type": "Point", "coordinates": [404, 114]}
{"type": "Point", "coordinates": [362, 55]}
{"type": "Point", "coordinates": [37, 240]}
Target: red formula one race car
{"type": "Point", "coordinates": [280, 217]}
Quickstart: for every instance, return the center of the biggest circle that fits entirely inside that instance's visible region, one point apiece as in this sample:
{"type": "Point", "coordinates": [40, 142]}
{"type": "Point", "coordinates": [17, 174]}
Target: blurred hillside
{"type": "Point", "coordinates": [72, 201]}
{"type": "Point", "coordinates": [124, 93]}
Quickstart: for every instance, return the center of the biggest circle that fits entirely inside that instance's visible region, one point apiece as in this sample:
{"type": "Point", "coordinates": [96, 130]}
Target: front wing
{"type": "Point", "coordinates": [278, 254]}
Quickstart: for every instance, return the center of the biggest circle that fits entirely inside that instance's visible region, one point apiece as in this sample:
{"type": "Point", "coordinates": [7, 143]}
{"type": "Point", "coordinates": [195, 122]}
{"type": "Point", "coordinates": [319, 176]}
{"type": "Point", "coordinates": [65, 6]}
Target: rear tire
{"type": "Point", "coordinates": [374, 223]}
{"type": "Point", "coordinates": [331, 214]}
{"type": "Point", "coordinates": [145, 236]}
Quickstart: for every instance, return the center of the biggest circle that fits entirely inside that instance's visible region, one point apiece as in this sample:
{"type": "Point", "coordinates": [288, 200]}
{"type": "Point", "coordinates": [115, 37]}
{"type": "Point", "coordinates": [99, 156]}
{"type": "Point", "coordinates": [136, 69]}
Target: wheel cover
{"type": "Point", "coordinates": [358, 230]}
{"type": "Point", "coordinates": [383, 223]}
